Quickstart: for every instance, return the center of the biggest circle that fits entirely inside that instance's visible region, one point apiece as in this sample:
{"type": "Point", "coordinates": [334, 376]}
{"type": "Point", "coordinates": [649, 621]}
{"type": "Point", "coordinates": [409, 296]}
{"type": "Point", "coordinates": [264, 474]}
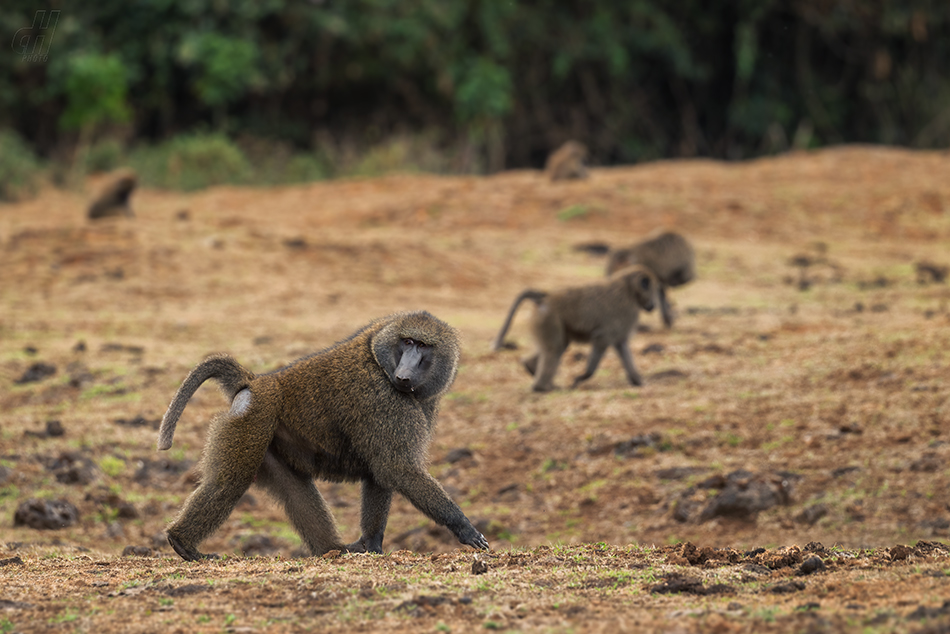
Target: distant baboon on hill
{"type": "Point", "coordinates": [604, 314]}
{"type": "Point", "coordinates": [113, 200]}
{"type": "Point", "coordinates": [567, 162]}
{"type": "Point", "coordinates": [668, 254]}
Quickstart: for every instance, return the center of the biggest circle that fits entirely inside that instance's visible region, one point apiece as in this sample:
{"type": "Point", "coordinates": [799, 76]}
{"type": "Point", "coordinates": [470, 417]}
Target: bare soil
{"type": "Point", "coordinates": [784, 469]}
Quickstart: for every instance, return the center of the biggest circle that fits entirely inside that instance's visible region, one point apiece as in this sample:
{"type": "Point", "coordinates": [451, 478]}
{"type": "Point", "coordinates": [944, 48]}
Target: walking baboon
{"type": "Point", "coordinates": [114, 199]}
{"type": "Point", "coordinates": [567, 162]}
{"type": "Point", "coordinates": [604, 314]}
{"type": "Point", "coordinates": [671, 258]}
{"type": "Point", "coordinates": [363, 409]}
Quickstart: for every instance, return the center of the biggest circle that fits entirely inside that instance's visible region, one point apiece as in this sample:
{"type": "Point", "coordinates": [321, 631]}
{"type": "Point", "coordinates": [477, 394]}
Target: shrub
{"type": "Point", "coordinates": [192, 162]}
{"type": "Point", "coordinates": [18, 167]}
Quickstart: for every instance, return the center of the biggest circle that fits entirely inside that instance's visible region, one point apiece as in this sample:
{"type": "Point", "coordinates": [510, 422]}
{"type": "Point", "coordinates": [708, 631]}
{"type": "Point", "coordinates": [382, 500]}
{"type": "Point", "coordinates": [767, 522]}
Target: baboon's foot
{"type": "Point", "coordinates": [186, 552]}
{"type": "Point", "coordinates": [360, 546]}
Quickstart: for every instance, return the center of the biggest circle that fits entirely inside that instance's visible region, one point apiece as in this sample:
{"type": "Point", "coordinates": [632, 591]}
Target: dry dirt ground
{"type": "Point", "coordinates": [785, 467]}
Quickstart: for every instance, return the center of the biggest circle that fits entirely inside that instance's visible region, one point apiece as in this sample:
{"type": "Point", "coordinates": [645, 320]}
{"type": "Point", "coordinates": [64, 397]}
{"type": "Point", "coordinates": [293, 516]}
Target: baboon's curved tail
{"type": "Point", "coordinates": [536, 296]}
{"type": "Point", "coordinates": [231, 375]}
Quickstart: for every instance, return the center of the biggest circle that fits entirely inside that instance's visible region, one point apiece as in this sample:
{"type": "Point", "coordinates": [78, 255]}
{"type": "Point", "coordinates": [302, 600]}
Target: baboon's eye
{"type": "Point", "coordinates": [409, 342]}
{"type": "Point", "coordinates": [420, 344]}
{"type": "Point", "coordinates": [645, 283]}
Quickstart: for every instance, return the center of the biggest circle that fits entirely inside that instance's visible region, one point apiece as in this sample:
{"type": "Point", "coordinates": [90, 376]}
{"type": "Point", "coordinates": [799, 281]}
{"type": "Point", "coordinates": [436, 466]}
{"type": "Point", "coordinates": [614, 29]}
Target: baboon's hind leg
{"type": "Point", "coordinates": [547, 368]}
{"type": "Point", "coordinates": [593, 360]}
{"type": "Point", "coordinates": [224, 480]}
{"type": "Point", "coordinates": [531, 363]}
{"type": "Point", "coordinates": [305, 507]}
{"type": "Point", "coordinates": [376, 501]}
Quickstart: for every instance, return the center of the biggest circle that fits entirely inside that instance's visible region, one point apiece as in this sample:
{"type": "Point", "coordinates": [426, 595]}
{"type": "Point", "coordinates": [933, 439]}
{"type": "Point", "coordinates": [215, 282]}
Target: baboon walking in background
{"type": "Point", "coordinates": [567, 162]}
{"type": "Point", "coordinates": [114, 199]}
{"type": "Point", "coordinates": [603, 314]}
{"type": "Point", "coordinates": [671, 258]}
{"type": "Point", "coordinates": [363, 409]}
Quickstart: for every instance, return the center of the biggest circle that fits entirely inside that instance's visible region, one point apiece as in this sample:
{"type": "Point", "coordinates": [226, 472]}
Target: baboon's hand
{"type": "Point", "coordinates": [471, 537]}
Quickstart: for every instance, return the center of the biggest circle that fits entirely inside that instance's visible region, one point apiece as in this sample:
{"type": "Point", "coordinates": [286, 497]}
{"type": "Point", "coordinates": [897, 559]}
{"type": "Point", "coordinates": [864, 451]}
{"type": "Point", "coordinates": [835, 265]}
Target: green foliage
{"type": "Point", "coordinates": [504, 81]}
{"type": "Point", "coordinates": [225, 67]}
{"type": "Point", "coordinates": [18, 167]}
{"type": "Point", "coordinates": [484, 91]}
{"type": "Point", "coordinates": [104, 156]}
{"type": "Point", "coordinates": [95, 87]}
{"type": "Point", "coordinates": [192, 162]}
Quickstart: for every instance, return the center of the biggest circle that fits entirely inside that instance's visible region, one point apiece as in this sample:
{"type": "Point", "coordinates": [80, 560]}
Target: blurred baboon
{"type": "Point", "coordinates": [567, 162]}
{"type": "Point", "coordinates": [604, 314]}
{"type": "Point", "coordinates": [931, 272]}
{"type": "Point", "coordinates": [363, 409]}
{"type": "Point", "coordinates": [669, 255]}
{"type": "Point", "coordinates": [113, 200]}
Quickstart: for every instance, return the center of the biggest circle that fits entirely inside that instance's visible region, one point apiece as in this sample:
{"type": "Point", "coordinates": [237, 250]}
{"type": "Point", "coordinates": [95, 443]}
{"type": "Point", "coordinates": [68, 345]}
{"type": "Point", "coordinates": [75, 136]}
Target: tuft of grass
{"type": "Point", "coordinates": [112, 466]}
{"type": "Point", "coordinates": [574, 211]}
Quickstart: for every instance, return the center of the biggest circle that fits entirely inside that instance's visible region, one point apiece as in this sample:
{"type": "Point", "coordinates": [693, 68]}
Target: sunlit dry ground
{"type": "Point", "coordinates": [786, 409]}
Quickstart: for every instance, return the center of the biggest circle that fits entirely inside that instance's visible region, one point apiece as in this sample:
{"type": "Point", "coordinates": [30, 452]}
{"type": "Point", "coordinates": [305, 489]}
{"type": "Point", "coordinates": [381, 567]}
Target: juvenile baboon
{"type": "Point", "coordinates": [363, 409]}
{"type": "Point", "coordinates": [114, 199]}
{"type": "Point", "coordinates": [669, 255]}
{"type": "Point", "coordinates": [567, 162]}
{"type": "Point", "coordinates": [604, 314]}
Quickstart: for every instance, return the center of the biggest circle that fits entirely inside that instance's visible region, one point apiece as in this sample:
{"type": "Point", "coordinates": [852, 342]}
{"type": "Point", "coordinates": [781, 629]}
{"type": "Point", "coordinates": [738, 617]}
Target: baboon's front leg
{"type": "Point", "coordinates": [623, 349]}
{"type": "Point", "coordinates": [376, 501]}
{"type": "Point", "coordinates": [665, 308]}
{"type": "Point", "coordinates": [427, 495]}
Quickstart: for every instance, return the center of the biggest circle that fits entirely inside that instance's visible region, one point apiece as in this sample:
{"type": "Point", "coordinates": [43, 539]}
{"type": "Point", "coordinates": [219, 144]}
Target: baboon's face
{"type": "Point", "coordinates": [644, 288]}
{"type": "Point", "coordinates": [413, 361]}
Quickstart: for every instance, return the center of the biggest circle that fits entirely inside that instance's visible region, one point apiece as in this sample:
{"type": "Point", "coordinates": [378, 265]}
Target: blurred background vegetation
{"type": "Point", "coordinates": [192, 92]}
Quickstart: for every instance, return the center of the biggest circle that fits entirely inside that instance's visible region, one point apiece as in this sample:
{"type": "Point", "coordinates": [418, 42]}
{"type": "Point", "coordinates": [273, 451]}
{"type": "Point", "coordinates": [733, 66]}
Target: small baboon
{"type": "Point", "coordinates": [671, 258]}
{"type": "Point", "coordinates": [114, 199]}
{"type": "Point", "coordinates": [604, 314]}
{"type": "Point", "coordinates": [363, 409]}
{"type": "Point", "coordinates": [567, 162]}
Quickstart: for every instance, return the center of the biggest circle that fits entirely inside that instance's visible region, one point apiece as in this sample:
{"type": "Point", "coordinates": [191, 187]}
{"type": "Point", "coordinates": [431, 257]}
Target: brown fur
{"type": "Point", "coordinates": [671, 258]}
{"type": "Point", "coordinates": [604, 314]}
{"type": "Point", "coordinates": [363, 409]}
{"type": "Point", "coordinates": [113, 200]}
{"type": "Point", "coordinates": [567, 162]}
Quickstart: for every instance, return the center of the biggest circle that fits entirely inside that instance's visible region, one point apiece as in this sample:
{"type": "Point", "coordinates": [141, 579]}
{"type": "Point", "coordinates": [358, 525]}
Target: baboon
{"type": "Point", "coordinates": [362, 410]}
{"type": "Point", "coordinates": [114, 199]}
{"type": "Point", "coordinates": [671, 258]}
{"type": "Point", "coordinates": [604, 314]}
{"type": "Point", "coordinates": [567, 162]}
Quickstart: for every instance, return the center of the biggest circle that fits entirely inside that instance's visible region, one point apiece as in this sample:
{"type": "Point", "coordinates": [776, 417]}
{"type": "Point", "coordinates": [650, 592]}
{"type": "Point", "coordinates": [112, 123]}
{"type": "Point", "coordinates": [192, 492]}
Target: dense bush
{"type": "Point", "coordinates": [191, 162]}
{"type": "Point", "coordinates": [18, 167]}
{"type": "Point", "coordinates": [499, 83]}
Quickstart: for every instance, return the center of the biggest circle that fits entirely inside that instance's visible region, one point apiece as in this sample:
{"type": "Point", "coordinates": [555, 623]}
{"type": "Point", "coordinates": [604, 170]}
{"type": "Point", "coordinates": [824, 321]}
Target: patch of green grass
{"type": "Point", "coordinates": [112, 466]}
{"type": "Point", "coordinates": [66, 617]}
{"type": "Point", "coordinates": [574, 211]}
{"type": "Point", "coordinates": [6, 625]}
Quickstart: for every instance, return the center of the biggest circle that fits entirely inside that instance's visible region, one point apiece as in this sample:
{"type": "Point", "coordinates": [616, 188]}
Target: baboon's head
{"type": "Point", "coordinates": [419, 354]}
{"type": "Point", "coordinates": [641, 284]}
